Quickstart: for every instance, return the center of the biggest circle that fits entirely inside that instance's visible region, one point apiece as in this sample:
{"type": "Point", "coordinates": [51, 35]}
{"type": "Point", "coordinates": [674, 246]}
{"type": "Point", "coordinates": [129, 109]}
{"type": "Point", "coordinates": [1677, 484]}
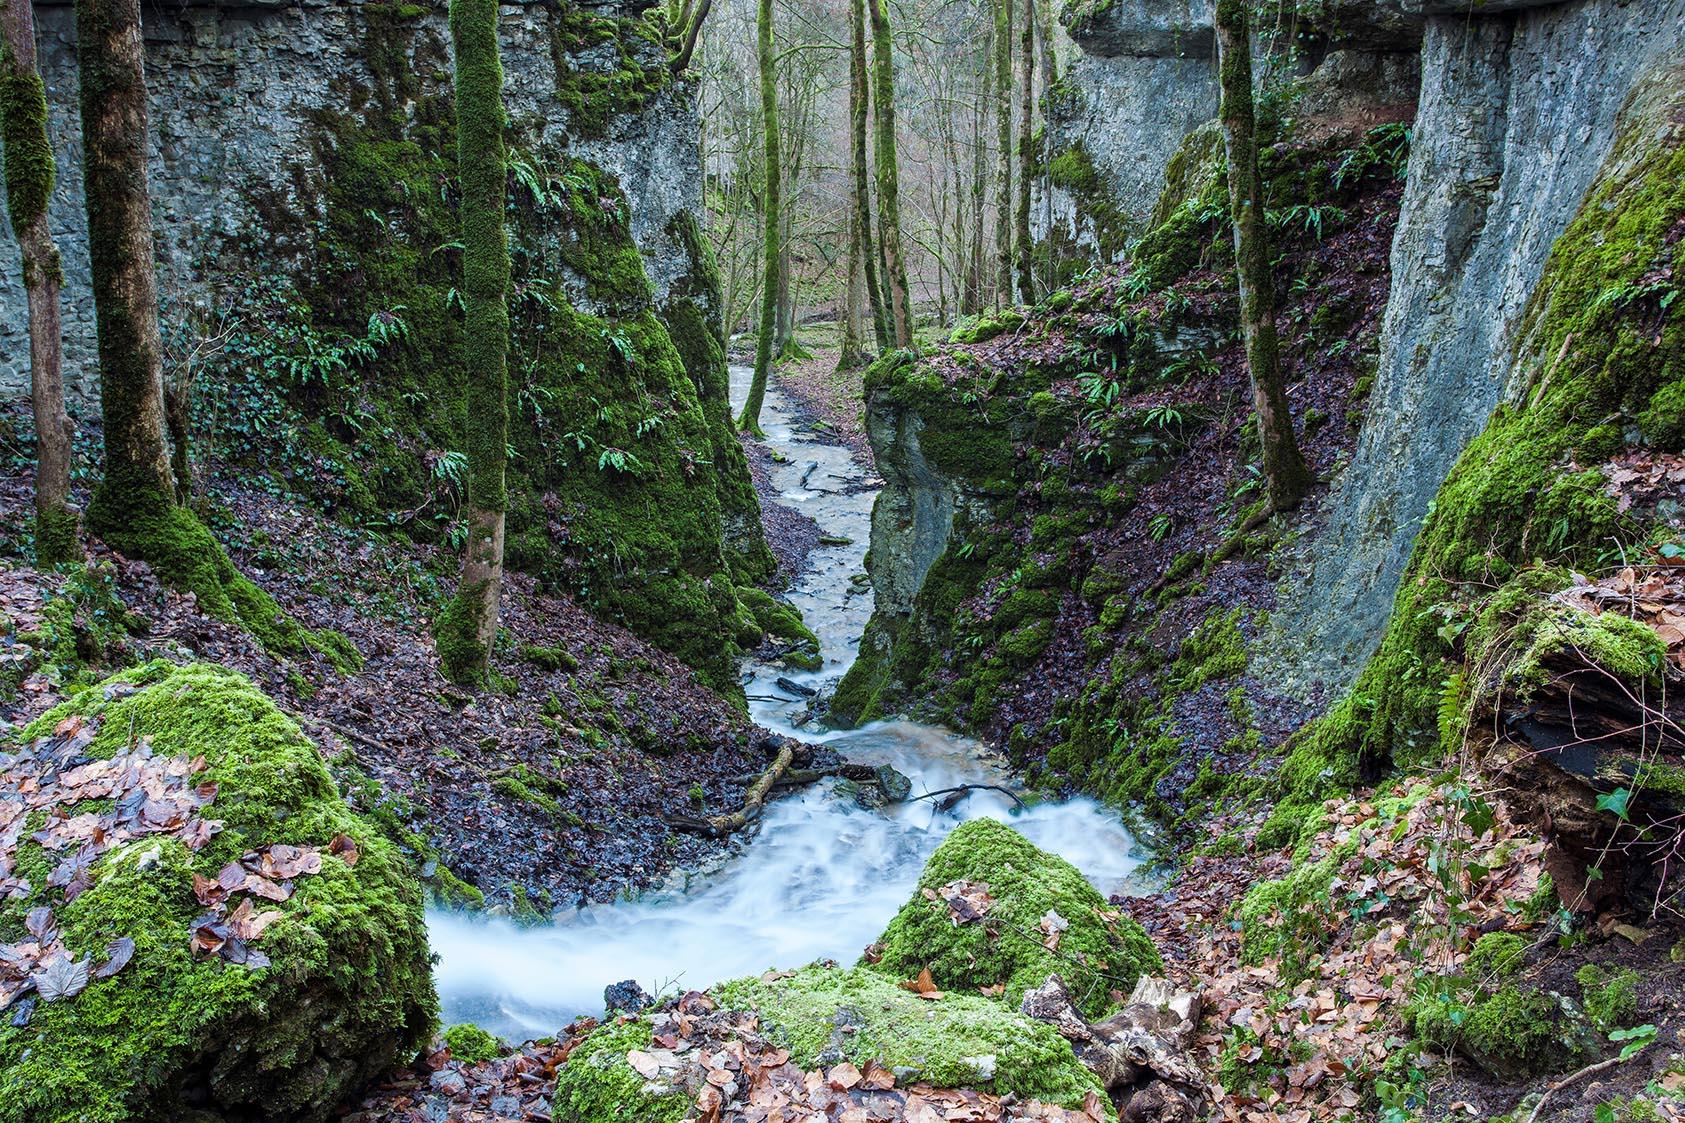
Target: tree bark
{"type": "Point", "coordinates": [1026, 155]}
{"type": "Point", "coordinates": [1286, 476]}
{"type": "Point", "coordinates": [973, 302]}
{"type": "Point", "coordinates": [750, 421]}
{"type": "Point", "coordinates": [854, 312]}
{"type": "Point", "coordinates": [114, 133]}
{"type": "Point", "coordinates": [1049, 76]}
{"type": "Point", "coordinates": [1003, 130]}
{"type": "Point", "coordinates": [30, 173]}
{"type": "Point", "coordinates": [889, 191]}
{"type": "Point", "coordinates": [468, 628]}
{"type": "Point", "coordinates": [859, 103]}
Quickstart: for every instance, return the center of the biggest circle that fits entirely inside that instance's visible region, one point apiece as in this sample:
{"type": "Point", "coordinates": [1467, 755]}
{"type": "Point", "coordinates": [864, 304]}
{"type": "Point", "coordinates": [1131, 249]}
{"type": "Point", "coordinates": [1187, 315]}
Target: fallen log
{"type": "Point", "coordinates": [754, 801]}
{"type": "Point", "coordinates": [965, 790]}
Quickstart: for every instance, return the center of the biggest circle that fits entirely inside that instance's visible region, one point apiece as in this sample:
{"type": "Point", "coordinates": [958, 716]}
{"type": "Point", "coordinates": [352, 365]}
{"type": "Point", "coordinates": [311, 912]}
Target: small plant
{"type": "Point", "coordinates": [1159, 527]}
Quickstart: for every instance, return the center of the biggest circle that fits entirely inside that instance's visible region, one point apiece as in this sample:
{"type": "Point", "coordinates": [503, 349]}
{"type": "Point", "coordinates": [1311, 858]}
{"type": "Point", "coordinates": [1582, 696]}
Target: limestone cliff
{"type": "Point", "coordinates": [303, 183]}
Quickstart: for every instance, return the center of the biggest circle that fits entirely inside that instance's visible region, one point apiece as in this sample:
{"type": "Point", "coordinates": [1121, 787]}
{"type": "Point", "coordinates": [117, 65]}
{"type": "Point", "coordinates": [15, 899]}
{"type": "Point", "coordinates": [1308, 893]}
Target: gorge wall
{"type": "Point", "coordinates": [1065, 532]}
{"type": "Point", "coordinates": [1517, 114]}
{"type": "Point", "coordinates": [304, 196]}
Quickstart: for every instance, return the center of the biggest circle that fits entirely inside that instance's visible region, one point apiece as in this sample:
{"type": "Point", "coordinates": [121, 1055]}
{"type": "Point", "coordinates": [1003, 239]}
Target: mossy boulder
{"type": "Point", "coordinates": [597, 1085]}
{"type": "Point", "coordinates": [823, 1014]}
{"type": "Point", "coordinates": [1097, 950]}
{"type": "Point", "coordinates": [1515, 1032]}
{"type": "Point", "coordinates": [347, 991]}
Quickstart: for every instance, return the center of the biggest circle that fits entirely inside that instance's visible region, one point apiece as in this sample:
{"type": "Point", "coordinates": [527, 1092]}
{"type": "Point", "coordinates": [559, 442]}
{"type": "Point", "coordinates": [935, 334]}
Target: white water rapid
{"type": "Point", "coordinates": [822, 876]}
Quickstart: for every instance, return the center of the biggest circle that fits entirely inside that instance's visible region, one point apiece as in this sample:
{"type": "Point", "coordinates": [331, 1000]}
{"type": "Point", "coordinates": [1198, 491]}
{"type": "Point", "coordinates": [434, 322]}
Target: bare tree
{"type": "Point", "coordinates": [750, 421]}
{"type": "Point", "coordinates": [30, 172]}
{"type": "Point", "coordinates": [1286, 476]}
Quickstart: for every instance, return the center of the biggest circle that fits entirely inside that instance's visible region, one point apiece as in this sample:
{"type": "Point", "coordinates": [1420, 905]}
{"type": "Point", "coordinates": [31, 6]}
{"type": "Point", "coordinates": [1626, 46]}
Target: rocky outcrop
{"type": "Point", "coordinates": [303, 179]}
{"type": "Point", "coordinates": [204, 929]}
{"type": "Point", "coordinates": [1517, 114]}
{"type": "Point", "coordinates": [1144, 77]}
{"type": "Point", "coordinates": [235, 95]}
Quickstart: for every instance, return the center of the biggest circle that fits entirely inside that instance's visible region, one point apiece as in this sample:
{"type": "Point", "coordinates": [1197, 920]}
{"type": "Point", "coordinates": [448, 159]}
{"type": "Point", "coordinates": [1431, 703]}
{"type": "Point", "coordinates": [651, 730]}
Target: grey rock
{"type": "Point", "coordinates": [625, 996]}
{"type": "Point", "coordinates": [1517, 114]}
{"type": "Point", "coordinates": [894, 785]}
{"type": "Point", "coordinates": [231, 93]}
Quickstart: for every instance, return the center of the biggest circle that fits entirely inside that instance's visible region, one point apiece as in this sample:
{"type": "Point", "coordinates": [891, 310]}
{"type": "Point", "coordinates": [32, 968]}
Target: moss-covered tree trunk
{"type": "Point", "coordinates": [1026, 155]}
{"type": "Point", "coordinates": [771, 208]}
{"type": "Point", "coordinates": [1003, 141]}
{"type": "Point", "coordinates": [853, 350]}
{"type": "Point", "coordinates": [972, 302]}
{"type": "Point", "coordinates": [468, 626]}
{"type": "Point", "coordinates": [29, 187]}
{"type": "Point", "coordinates": [859, 108]}
{"type": "Point", "coordinates": [1049, 76]}
{"type": "Point", "coordinates": [1286, 476]}
{"type": "Point", "coordinates": [114, 132]}
{"type": "Point", "coordinates": [889, 174]}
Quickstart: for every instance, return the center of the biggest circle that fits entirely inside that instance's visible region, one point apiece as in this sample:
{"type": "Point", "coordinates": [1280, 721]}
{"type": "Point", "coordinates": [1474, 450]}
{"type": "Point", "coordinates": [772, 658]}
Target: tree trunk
{"type": "Point", "coordinates": [1003, 130]}
{"type": "Point", "coordinates": [889, 191]}
{"type": "Point", "coordinates": [771, 209]}
{"type": "Point", "coordinates": [1049, 76]}
{"type": "Point", "coordinates": [859, 103]}
{"type": "Point", "coordinates": [1286, 476]}
{"type": "Point", "coordinates": [785, 322]}
{"type": "Point", "coordinates": [468, 627]}
{"type": "Point", "coordinates": [114, 130]}
{"type": "Point", "coordinates": [854, 315]}
{"type": "Point", "coordinates": [973, 302]}
{"type": "Point", "coordinates": [29, 187]}
{"type": "Point", "coordinates": [1026, 155]}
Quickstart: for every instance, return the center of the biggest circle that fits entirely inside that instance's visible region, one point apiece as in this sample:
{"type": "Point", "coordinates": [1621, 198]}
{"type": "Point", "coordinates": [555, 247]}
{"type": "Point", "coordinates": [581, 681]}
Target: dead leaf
{"type": "Point", "coordinates": [62, 978]}
{"type": "Point", "coordinates": [117, 956]}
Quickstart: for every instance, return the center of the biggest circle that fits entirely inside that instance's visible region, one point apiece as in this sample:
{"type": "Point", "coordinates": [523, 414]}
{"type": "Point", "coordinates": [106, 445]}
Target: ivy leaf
{"type": "Point", "coordinates": [1615, 801]}
{"type": "Point", "coordinates": [1478, 814]}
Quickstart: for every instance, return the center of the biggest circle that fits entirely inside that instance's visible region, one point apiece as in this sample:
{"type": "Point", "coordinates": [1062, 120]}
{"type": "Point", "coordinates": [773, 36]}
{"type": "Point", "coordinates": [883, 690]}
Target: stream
{"type": "Point", "coordinates": [822, 876]}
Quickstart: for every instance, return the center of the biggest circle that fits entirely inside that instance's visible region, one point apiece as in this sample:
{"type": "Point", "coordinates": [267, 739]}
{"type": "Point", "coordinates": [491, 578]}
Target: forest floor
{"type": "Point", "coordinates": [550, 793]}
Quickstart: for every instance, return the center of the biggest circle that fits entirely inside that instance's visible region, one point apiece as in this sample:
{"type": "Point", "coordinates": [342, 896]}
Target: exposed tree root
{"type": "Point", "coordinates": [718, 826]}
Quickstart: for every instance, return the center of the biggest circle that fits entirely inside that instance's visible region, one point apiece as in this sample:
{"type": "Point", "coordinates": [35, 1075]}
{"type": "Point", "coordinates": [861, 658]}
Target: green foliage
{"type": "Point", "coordinates": [30, 170]}
{"type": "Point", "coordinates": [1610, 997]}
{"type": "Point", "coordinates": [1099, 952]}
{"type": "Point", "coordinates": [471, 1044]}
{"type": "Point", "coordinates": [1497, 955]}
{"type": "Point", "coordinates": [349, 995]}
{"type": "Point", "coordinates": [943, 1041]}
{"type": "Point", "coordinates": [596, 1085]}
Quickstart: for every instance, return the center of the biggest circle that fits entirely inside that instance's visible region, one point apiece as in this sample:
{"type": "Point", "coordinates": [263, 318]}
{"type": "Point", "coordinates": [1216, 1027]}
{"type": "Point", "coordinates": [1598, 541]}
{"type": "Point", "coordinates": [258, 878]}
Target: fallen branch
{"type": "Point", "coordinates": [754, 801]}
{"type": "Point", "coordinates": [966, 789]}
{"type": "Point", "coordinates": [1574, 1078]}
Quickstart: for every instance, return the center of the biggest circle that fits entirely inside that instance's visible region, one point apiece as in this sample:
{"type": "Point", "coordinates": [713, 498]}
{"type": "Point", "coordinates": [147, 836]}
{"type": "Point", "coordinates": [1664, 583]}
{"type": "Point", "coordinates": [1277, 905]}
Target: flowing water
{"type": "Point", "coordinates": [823, 875]}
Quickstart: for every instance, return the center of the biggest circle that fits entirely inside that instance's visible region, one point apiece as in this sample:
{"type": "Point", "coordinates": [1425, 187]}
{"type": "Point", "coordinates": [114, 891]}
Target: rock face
{"type": "Point", "coordinates": [1145, 77]}
{"type": "Point", "coordinates": [303, 182]}
{"type": "Point", "coordinates": [217, 934]}
{"type": "Point", "coordinates": [1517, 113]}
{"type": "Point", "coordinates": [233, 93]}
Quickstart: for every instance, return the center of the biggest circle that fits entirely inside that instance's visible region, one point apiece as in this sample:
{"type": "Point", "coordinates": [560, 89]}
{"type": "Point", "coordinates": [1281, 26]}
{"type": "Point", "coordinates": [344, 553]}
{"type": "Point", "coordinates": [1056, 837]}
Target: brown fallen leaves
{"type": "Point", "coordinates": [1317, 1052]}
{"type": "Point", "coordinates": [967, 901]}
{"type": "Point", "coordinates": [148, 796]}
{"type": "Point", "coordinates": [1655, 597]}
{"type": "Point", "coordinates": [720, 1059]}
{"type": "Point", "coordinates": [265, 873]}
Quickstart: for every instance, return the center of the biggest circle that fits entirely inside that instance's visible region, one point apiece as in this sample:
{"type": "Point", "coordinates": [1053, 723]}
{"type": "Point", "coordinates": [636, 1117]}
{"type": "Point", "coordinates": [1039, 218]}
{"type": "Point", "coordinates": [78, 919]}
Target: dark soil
{"type": "Point", "coordinates": [616, 741]}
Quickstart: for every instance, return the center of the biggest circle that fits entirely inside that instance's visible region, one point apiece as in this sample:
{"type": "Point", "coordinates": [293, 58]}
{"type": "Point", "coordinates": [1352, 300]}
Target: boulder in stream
{"type": "Point", "coordinates": [993, 913]}
{"type": "Point", "coordinates": [193, 923]}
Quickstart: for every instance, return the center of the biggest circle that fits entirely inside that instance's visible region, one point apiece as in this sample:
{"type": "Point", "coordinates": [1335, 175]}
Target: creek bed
{"type": "Point", "coordinates": [822, 875]}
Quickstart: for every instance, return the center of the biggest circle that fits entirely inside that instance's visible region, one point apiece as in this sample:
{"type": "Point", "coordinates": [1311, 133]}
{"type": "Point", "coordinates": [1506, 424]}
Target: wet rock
{"type": "Point", "coordinates": [894, 786]}
{"type": "Point", "coordinates": [625, 996]}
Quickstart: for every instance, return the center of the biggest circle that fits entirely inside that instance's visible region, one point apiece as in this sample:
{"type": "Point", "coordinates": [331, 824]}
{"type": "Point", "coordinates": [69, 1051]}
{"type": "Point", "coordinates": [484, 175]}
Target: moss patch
{"type": "Point", "coordinates": [1100, 951]}
{"type": "Point", "coordinates": [350, 990]}
{"type": "Point", "coordinates": [947, 1042]}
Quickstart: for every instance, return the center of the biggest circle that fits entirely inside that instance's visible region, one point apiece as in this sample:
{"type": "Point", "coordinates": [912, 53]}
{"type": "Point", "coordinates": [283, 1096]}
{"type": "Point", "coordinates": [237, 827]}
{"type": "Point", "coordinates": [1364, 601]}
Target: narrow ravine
{"type": "Point", "coordinates": [823, 875]}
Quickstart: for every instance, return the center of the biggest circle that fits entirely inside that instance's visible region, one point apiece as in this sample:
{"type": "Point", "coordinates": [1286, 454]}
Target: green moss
{"type": "Point", "coordinates": [1516, 1032]}
{"type": "Point", "coordinates": [1610, 997]}
{"type": "Point", "coordinates": [1293, 918]}
{"type": "Point", "coordinates": [548, 658]}
{"type": "Point", "coordinates": [596, 1085]}
{"type": "Point", "coordinates": [780, 620]}
{"type": "Point", "coordinates": [350, 992]}
{"type": "Point", "coordinates": [1497, 955]}
{"type": "Point", "coordinates": [471, 1044]}
{"type": "Point", "coordinates": [947, 1042]}
{"type": "Point", "coordinates": [1600, 339]}
{"type": "Point", "coordinates": [1099, 952]}
{"type": "Point", "coordinates": [30, 170]}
